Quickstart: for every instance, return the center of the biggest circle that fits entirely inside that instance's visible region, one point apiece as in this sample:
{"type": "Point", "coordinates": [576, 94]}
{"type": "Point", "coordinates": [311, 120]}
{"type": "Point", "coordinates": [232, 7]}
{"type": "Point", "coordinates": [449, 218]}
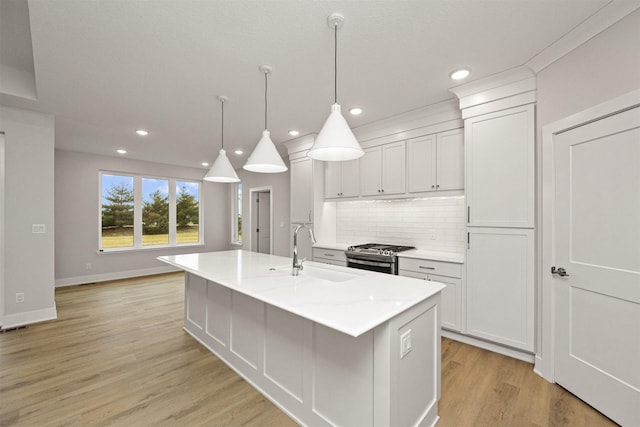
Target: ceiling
{"type": "Point", "coordinates": [105, 68]}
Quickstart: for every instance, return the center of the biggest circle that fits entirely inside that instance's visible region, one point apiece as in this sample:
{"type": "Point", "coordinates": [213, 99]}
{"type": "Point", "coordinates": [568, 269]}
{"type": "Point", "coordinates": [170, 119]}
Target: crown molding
{"type": "Point", "coordinates": [589, 28]}
{"type": "Point", "coordinates": [414, 120]}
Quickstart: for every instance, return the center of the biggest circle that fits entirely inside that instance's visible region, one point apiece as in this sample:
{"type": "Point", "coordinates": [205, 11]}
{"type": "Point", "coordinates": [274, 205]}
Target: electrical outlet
{"type": "Point", "coordinates": [405, 344]}
{"type": "Point", "coordinates": [87, 266]}
{"type": "Point", "coordinates": [37, 228]}
{"type": "Point", "coordinates": [432, 234]}
{"type": "Point", "coordinates": [19, 297]}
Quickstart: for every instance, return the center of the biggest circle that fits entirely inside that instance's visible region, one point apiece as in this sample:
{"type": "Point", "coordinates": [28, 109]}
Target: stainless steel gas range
{"type": "Point", "coordinates": [375, 257]}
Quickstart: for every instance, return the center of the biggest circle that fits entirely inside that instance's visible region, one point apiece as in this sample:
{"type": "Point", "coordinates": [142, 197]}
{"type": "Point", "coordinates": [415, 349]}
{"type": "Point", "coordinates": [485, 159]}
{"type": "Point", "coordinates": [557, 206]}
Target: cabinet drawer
{"type": "Point", "coordinates": [321, 254]}
{"type": "Point", "coordinates": [426, 266]}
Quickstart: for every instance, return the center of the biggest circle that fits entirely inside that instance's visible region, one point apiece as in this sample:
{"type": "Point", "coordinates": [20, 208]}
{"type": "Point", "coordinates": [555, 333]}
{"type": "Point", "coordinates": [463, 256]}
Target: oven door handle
{"type": "Point", "coordinates": [372, 263]}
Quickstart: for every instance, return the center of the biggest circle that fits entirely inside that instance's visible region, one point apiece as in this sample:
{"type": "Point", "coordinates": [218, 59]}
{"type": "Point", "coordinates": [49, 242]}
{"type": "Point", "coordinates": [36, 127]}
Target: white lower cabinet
{"type": "Point", "coordinates": [330, 256]}
{"type": "Point", "coordinates": [444, 272]}
{"type": "Point", "coordinates": [500, 286]}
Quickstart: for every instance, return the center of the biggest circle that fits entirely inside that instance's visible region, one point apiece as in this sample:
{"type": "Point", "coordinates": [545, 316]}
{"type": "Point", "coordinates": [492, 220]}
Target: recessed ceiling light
{"type": "Point", "coordinates": [121, 151]}
{"type": "Point", "coordinates": [355, 111]}
{"type": "Point", "coordinates": [238, 152]}
{"type": "Point", "coordinates": [460, 74]}
{"type": "Point", "coordinates": [294, 132]}
{"type": "Point", "coordinates": [142, 132]}
{"type": "Point", "coordinates": [205, 164]}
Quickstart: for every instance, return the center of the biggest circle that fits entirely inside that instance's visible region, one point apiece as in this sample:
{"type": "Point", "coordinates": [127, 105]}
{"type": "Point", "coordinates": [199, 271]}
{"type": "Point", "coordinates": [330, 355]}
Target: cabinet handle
{"type": "Point", "coordinates": [433, 186]}
{"type": "Point", "coordinates": [468, 240]}
{"type": "Point", "coordinates": [382, 191]}
{"type": "Point", "coordinates": [468, 214]}
{"type": "Point", "coordinates": [427, 268]}
{"type": "Point", "coordinates": [329, 255]}
{"type": "Point", "coordinates": [437, 185]}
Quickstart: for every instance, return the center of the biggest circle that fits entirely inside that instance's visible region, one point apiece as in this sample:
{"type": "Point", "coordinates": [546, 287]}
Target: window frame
{"type": "Point", "coordinates": [138, 204]}
{"type": "Point", "coordinates": [236, 211]}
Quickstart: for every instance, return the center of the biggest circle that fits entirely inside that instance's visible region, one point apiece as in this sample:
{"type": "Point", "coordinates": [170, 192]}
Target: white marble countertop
{"type": "Point", "coordinates": [433, 255]}
{"type": "Point", "coordinates": [349, 300]}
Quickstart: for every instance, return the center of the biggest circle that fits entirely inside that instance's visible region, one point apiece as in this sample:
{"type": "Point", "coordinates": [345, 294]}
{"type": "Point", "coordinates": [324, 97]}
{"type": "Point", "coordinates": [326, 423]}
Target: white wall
{"type": "Point", "coordinates": [77, 215]}
{"type": "Point", "coordinates": [28, 199]}
{"type": "Point", "coordinates": [603, 68]}
{"type": "Point", "coordinates": [280, 200]}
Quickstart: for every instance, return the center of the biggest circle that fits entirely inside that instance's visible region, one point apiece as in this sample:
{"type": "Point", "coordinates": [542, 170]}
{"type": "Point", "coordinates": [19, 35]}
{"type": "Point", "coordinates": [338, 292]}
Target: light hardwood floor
{"type": "Point", "coordinates": [117, 356]}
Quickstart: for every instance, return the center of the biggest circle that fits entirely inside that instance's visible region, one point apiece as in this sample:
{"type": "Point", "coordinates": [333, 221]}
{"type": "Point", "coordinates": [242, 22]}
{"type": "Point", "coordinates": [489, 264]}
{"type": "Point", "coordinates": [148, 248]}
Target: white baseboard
{"type": "Point", "coordinates": [94, 278]}
{"type": "Point", "coordinates": [496, 348]}
{"type": "Point", "coordinates": [9, 321]}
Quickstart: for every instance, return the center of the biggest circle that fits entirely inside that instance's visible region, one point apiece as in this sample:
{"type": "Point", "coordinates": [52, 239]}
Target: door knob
{"type": "Point", "coordinates": [559, 271]}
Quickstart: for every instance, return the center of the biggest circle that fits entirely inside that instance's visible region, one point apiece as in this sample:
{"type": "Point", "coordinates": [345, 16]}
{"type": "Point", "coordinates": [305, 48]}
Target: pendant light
{"type": "Point", "coordinates": [335, 142]}
{"type": "Point", "coordinates": [221, 170]}
{"type": "Point", "coordinates": [265, 157]}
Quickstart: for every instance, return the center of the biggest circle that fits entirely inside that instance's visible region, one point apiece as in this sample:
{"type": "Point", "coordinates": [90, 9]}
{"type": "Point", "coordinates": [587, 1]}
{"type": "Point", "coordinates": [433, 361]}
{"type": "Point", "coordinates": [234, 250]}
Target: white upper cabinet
{"type": "Point", "coordinates": [301, 171]}
{"type": "Point", "coordinates": [500, 168]}
{"type": "Point", "coordinates": [450, 160]}
{"type": "Point", "coordinates": [383, 170]}
{"type": "Point", "coordinates": [342, 179]}
{"type": "Point", "coordinates": [436, 162]}
{"type": "Point", "coordinates": [421, 153]}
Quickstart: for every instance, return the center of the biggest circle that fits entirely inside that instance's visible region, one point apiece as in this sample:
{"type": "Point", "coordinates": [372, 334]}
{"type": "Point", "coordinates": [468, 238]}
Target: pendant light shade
{"type": "Point", "coordinates": [222, 170]}
{"type": "Point", "coordinates": [265, 157]}
{"type": "Point", "coordinates": [335, 141]}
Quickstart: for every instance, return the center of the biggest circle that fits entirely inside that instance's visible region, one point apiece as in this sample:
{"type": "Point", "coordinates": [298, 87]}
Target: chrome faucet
{"type": "Point", "coordinates": [297, 264]}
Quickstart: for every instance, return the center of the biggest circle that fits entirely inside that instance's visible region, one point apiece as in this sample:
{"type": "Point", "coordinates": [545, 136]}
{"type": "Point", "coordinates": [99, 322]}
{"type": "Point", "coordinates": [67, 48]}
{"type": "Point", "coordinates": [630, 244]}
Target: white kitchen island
{"type": "Point", "coordinates": [326, 346]}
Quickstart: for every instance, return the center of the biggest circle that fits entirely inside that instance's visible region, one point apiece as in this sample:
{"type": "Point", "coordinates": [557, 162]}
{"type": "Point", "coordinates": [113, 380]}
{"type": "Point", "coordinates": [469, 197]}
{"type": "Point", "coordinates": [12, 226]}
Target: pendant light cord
{"type": "Point", "coordinates": [222, 127]}
{"type": "Point", "coordinates": [265, 100]}
{"type": "Point", "coordinates": [335, 63]}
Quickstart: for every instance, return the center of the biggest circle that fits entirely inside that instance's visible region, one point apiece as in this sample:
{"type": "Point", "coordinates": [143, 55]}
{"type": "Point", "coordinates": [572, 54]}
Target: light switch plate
{"type": "Point", "coordinates": [405, 344]}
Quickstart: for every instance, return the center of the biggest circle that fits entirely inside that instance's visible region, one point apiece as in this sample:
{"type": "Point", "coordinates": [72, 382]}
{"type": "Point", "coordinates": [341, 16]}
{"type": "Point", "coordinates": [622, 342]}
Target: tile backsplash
{"type": "Point", "coordinates": [435, 223]}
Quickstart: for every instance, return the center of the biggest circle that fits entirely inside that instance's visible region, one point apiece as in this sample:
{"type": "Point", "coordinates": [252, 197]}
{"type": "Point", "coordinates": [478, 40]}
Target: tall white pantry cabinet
{"type": "Point", "coordinates": [500, 198]}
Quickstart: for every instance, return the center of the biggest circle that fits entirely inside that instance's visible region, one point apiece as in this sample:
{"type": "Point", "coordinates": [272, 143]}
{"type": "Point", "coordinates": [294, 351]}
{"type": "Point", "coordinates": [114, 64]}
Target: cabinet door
{"type": "Point", "coordinates": [394, 170]}
{"type": "Point", "coordinates": [450, 298]}
{"type": "Point", "coordinates": [421, 158]}
{"type": "Point", "coordinates": [500, 168]}
{"type": "Point", "coordinates": [371, 172]}
{"type": "Point", "coordinates": [302, 190]}
{"type": "Point", "coordinates": [332, 179]}
{"type": "Point", "coordinates": [350, 178]}
{"type": "Point", "coordinates": [451, 302]}
{"type": "Point", "coordinates": [450, 160]}
{"type": "Point", "coordinates": [499, 285]}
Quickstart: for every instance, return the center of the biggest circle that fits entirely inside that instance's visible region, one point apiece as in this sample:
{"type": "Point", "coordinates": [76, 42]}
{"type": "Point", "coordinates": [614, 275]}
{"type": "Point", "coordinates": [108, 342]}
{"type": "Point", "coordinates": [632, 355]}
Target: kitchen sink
{"type": "Point", "coordinates": [318, 273]}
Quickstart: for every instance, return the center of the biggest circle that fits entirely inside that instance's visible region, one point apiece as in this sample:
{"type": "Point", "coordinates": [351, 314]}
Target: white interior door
{"type": "Point", "coordinates": [597, 242]}
{"type": "Point", "coordinates": [1, 227]}
{"type": "Point", "coordinates": [264, 222]}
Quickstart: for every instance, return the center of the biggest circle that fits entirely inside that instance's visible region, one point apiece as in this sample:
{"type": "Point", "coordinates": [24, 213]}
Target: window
{"type": "Point", "coordinates": [138, 212]}
{"type": "Point", "coordinates": [236, 213]}
{"type": "Point", "coordinates": [187, 212]}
